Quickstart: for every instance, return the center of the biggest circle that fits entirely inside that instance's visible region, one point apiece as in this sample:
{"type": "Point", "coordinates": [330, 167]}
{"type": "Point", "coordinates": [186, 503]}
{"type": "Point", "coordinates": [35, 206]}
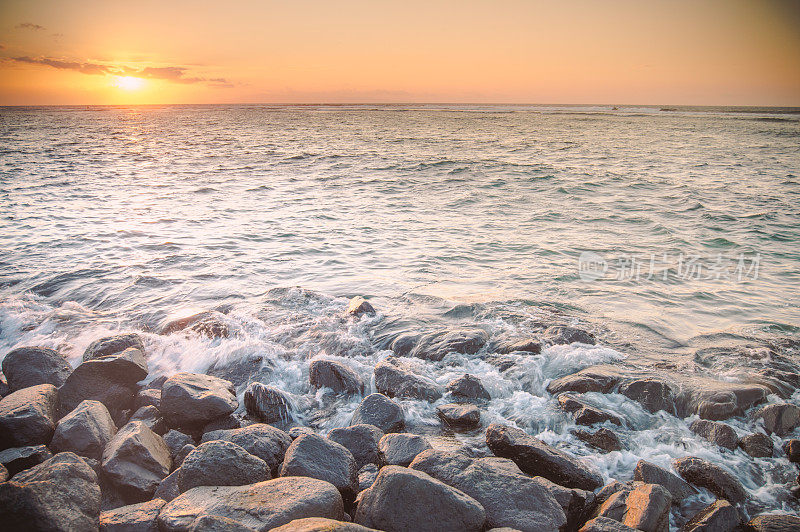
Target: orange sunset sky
{"type": "Point", "coordinates": [715, 52]}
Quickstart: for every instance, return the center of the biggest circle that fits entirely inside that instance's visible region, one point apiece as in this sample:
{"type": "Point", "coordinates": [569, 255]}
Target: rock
{"type": "Point", "coordinates": [367, 476]}
{"type": "Point", "coordinates": [509, 497]}
{"type": "Point", "coordinates": [394, 378]}
{"type": "Point", "coordinates": [263, 441]}
{"type": "Point", "coordinates": [780, 419]}
{"type": "Point", "coordinates": [377, 409]}
{"type": "Point", "coordinates": [528, 345]}
{"type": "Point", "coordinates": [3, 386]}
{"type": "Point", "coordinates": [405, 499]}
{"type": "Point", "coordinates": [320, 524]}
{"type": "Point", "coordinates": [757, 445]}
{"type": "Point", "coordinates": [593, 379]}
{"type": "Point", "coordinates": [468, 388]}
{"type": "Point", "coordinates": [790, 447]}
{"type": "Point", "coordinates": [717, 400]}
{"type": "Point", "coordinates": [537, 458]}
{"type": "Point", "coordinates": [459, 416]}
{"type": "Point", "coordinates": [266, 404]}
{"type": "Point", "coordinates": [317, 457]}
{"type": "Point", "coordinates": [181, 455]}
{"type": "Point", "coordinates": [562, 334]}
{"type": "Point", "coordinates": [221, 463]}
{"type": "Point", "coordinates": [216, 523]}
{"type": "Point", "coordinates": [401, 448]}
{"type": "Point", "coordinates": [27, 416]}
{"type": "Point", "coordinates": [647, 508]}
{"type": "Point", "coordinates": [210, 324]}
{"type": "Point", "coordinates": [707, 475]}
{"type": "Point", "coordinates": [334, 375]}
{"type": "Point", "coordinates": [136, 460]}
{"type": "Point", "coordinates": [436, 346]}
{"type": "Point", "coordinates": [243, 369]}
{"type": "Point", "coordinates": [653, 394]}
{"type": "Point", "coordinates": [192, 400]}
{"type": "Point", "coordinates": [602, 439]}
{"type": "Point", "coordinates": [261, 506]}
{"type": "Point", "coordinates": [60, 494]}
{"type": "Point", "coordinates": [296, 432]}
{"type": "Point", "coordinates": [168, 488]}
{"type": "Point", "coordinates": [718, 516]}
{"type": "Point", "coordinates": [773, 523]}
{"type": "Point", "coordinates": [584, 413]}
{"type": "Point", "coordinates": [110, 379]}
{"type": "Point", "coordinates": [4, 473]}
{"type": "Point", "coordinates": [361, 441]}
{"type": "Point", "coordinates": [223, 423]}
{"type": "Point", "coordinates": [576, 503]}
{"type": "Point", "coordinates": [716, 432]}
{"type": "Point", "coordinates": [358, 306]}
{"type": "Point", "coordinates": [649, 473]}
{"type": "Point", "coordinates": [604, 524]}
{"type": "Point", "coordinates": [150, 416]}
{"type": "Point", "coordinates": [176, 440]}
{"type": "Point", "coordinates": [18, 459]}
{"type": "Point", "coordinates": [112, 345]}
{"type": "Point", "coordinates": [147, 397]}
{"type": "Point", "coordinates": [31, 366]}
{"type": "Point", "coordinates": [614, 507]}
{"type": "Point", "coordinates": [142, 517]}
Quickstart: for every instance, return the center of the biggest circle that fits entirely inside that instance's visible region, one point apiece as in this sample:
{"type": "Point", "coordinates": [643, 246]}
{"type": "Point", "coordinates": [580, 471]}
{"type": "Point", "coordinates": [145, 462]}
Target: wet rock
{"type": "Point", "coordinates": [584, 413]}
{"type": "Point", "coordinates": [716, 432]}
{"type": "Point", "coordinates": [394, 378]}
{"type": "Point", "coordinates": [362, 442]}
{"type": "Point", "coordinates": [459, 417]}
{"type": "Point", "coordinates": [594, 379]}
{"type": "Point", "coordinates": [266, 404]}
{"type": "Point", "coordinates": [3, 386]}
{"type": "Point", "coordinates": [60, 494]}
{"type": "Point", "coordinates": [604, 524]}
{"type": "Point", "coordinates": [367, 476]}
{"type": "Point", "coordinates": [180, 456]}
{"type": "Point", "coordinates": [649, 473]}
{"type": "Point", "coordinates": [320, 524]}
{"type": "Point", "coordinates": [773, 523]}
{"type": "Point", "coordinates": [614, 507]}
{"type": "Point", "coordinates": [647, 508]}
{"type": "Point", "coordinates": [192, 400]}
{"type": "Point", "coordinates": [3, 473]}
{"type": "Point", "coordinates": [112, 345]}
{"type": "Point", "coordinates": [707, 475]}
{"type": "Point", "coordinates": [718, 401]}
{"type": "Point", "coordinates": [261, 506]}
{"type": "Point", "coordinates": [110, 379]}
{"type": "Point", "coordinates": [653, 394]}
{"type": "Point", "coordinates": [211, 324]}
{"type": "Point", "coordinates": [317, 457]}
{"type": "Point", "coordinates": [231, 421]}
{"type": "Point", "coordinates": [296, 432]}
{"type": "Point", "coordinates": [147, 397]}
{"type": "Point", "coordinates": [537, 458]}
{"type": "Point", "coordinates": [27, 416]}
{"type": "Point", "coordinates": [503, 363]}
{"type": "Point", "coordinates": [780, 419]}
{"type": "Point", "coordinates": [401, 448]}
{"type": "Point", "coordinates": [31, 366]}
{"type": "Point", "coordinates": [509, 497]}
{"type": "Point", "coordinates": [142, 517]}
{"type": "Point", "coordinates": [216, 523]}
{"type": "Point", "coordinates": [359, 306]}
{"type": "Point", "coordinates": [168, 488]}
{"type": "Point", "coordinates": [718, 516]}
{"type": "Point", "coordinates": [136, 460]}
{"type": "Point", "coordinates": [528, 345]}
{"type": "Point", "coordinates": [602, 439]}
{"type": "Point", "coordinates": [757, 445]}
{"type": "Point", "coordinates": [377, 409]}
{"type": "Point", "coordinates": [791, 448]}
{"type": "Point", "coordinates": [405, 499]}
{"type": "Point", "coordinates": [576, 503]}
{"type": "Point", "coordinates": [562, 334]}
{"type": "Point", "coordinates": [436, 346]}
{"type": "Point", "coordinates": [243, 369]}
{"type": "Point", "coordinates": [334, 375]}
{"type": "Point", "coordinates": [18, 459]}
{"type": "Point", "coordinates": [264, 441]}
{"type": "Point", "coordinates": [150, 416]}
{"type": "Point", "coordinates": [221, 463]}
{"type": "Point", "coordinates": [176, 440]}
{"type": "Point", "coordinates": [468, 388]}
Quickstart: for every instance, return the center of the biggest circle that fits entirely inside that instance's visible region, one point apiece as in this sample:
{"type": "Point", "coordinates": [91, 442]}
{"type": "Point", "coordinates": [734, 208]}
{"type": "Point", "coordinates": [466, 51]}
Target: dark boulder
{"type": "Point", "coordinates": [562, 334]}
{"type": "Point", "coordinates": [653, 394]}
{"type": "Point", "coordinates": [535, 457]}
{"type": "Point", "coordinates": [261, 506]}
{"type": "Point", "coordinates": [583, 412]}
{"type": "Point", "coordinates": [3, 473]}
{"type": "Point", "coordinates": [401, 448]}
{"type": "Point", "coordinates": [192, 400]}
{"type": "Point", "coordinates": [317, 457]}
{"type": "Point", "coordinates": [211, 324]}
{"type": "Point", "coordinates": [377, 409]}
{"type": "Point", "coordinates": [716, 432]}
{"type": "Point", "coordinates": [367, 476]}
{"type": "Point", "coordinates": [757, 445]}
{"type": "Point", "coordinates": [717, 400]}
{"type": "Point", "coordinates": [266, 403]}
{"type": "Point", "coordinates": [168, 488]}
{"type": "Point", "coordinates": [605, 524]}
{"type": "Point", "coordinates": [142, 517]}
{"type": "Point", "coordinates": [296, 432]}
{"type": "Point", "coordinates": [361, 441]}
{"type": "Point", "coordinates": [359, 306]}
{"type": "Point", "coordinates": [334, 375]}
{"type": "Point", "coordinates": [150, 416]}
{"type": "Point", "coordinates": [405, 499]}
{"type": "Point", "coordinates": [459, 416]}
{"type": "Point", "coordinates": [180, 456]}
{"type": "Point", "coordinates": [60, 494]}
{"type": "Point", "coordinates": [147, 397]}
{"type": "Point", "coordinates": [320, 524]}
{"type": "Point", "coordinates": [647, 508]}
{"type": "Point", "coordinates": [791, 448]}
{"type": "Point", "coordinates": [264, 441]}
{"type": "Point", "coordinates": [221, 463]}
{"type": "Point", "coordinates": [719, 516]}
{"type": "Point", "coordinates": [780, 419]}
{"type": "Point", "coordinates": [176, 440]}
{"type": "Point", "coordinates": [594, 379]}
{"type": "Point", "coordinates": [27, 416]}
{"type": "Point", "coordinates": [468, 388]}
{"type": "Point", "coordinates": [30, 366]}
{"type": "Point", "coordinates": [715, 479]}
{"type": "Point", "coordinates": [217, 523]}
{"type": "Point", "coordinates": [528, 345]}
{"type": "Point", "coordinates": [18, 459]}
{"type": "Point", "coordinates": [773, 523]}
{"type": "Point", "coordinates": [436, 346]}
{"type": "Point", "coordinates": [136, 460]}
{"type": "Point", "coordinates": [394, 378]}
{"type": "Point", "coordinates": [649, 473]}
{"type": "Point", "coordinates": [602, 439]}
{"type": "Point", "coordinates": [112, 345]}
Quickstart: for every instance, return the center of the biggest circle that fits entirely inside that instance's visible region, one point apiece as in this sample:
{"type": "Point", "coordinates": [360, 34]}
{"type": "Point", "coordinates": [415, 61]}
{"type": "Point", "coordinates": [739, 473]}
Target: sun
{"type": "Point", "coordinates": [128, 83]}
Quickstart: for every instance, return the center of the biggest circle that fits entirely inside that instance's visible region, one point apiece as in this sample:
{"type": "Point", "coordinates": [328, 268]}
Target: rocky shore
{"type": "Point", "coordinates": [105, 446]}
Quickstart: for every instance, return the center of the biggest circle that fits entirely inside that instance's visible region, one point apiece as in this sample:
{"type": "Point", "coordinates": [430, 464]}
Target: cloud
{"type": "Point", "coordinates": [29, 26]}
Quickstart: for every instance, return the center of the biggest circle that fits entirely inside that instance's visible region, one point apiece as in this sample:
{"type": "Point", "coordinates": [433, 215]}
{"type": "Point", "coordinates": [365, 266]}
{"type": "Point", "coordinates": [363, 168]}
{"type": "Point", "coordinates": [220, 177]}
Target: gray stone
{"type": "Point", "coordinates": [361, 441]}
{"type": "Point", "coordinates": [791, 448]}
{"type": "Point", "coordinates": [367, 476]}
{"type": "Point", "coordinates": [18, 459]}
{"type": "Point", "coordinates": [176, 440]}
{"type": "Point", "coordinates": [221, 463]}
{"type": "Point", "coordinates": [168, 488]}
{"type": "Point", "coordinates": [459, 416]}
{"type": "Point", "coordinates": [468, 388]}
{"type": "Point", "coordinates": [604, 524]}
{"type": "Point", "coordinates": [181, 455]}
{"type": "Point", "coordinates": [261, 506]}
{"type": "Point", "coordinates": [147, 397]}
{"type": "Point", "coordinates": [647, 508]}
{"type": "Point", "coordinates": [780, 419]}
{"type": "Point", "coordinates": [334, 375]}
{"type": "Point", "coordinates": [136, 460]}
{"type": "Point", "coordinates": [562, 334]}
{"type": "Point", "coordinates": [264, 441]}
{"type": "Point", "coordinates": [715, 479]}
{"type": "Point", "coordinates": [405, 499]}
{"type": "Point", "coordinates": [231, 421]}
{"type": "Point", "coordinates": [60, 494]}
{"type": "Point", "coordinates": [757, 445]}
{"type": "Point", "coordinates": [296, 432]}
{"type": "Point", "coordinates": [266, 403]}
{"type": "Point", "coordinates": [150, 416]}
{"type": "Point", "coordinates": [576, 503]}
{"type": "Point", "coordinates": [358, 306]}
{"type": "Point", "coordinates": [394, 378]}
{"type": "Point", "coordinates": [716, 432]}
{"type": "Point", "coordinates": [377, 409]}
{"type": "Point", "coordinates": [583, 412]}
{"type": "Point", "coordinates": [112, 345]}
{"type": "Point", "coordinates": [719, 516]}
{"type": "Point", "coordinates": [436, 346]}
{"type": "Point", "coordinates": [653, 394]}
{"type": "Point", "coordinates": [649, 473]}
{"type": "Point", "coordinates": [4, 473]}
{"type": "Point", "coordinates": [317, 457]}
{"type": "Point", "coordinates": [774, 523]}
{"type": "Point", "coordinates": [602, 439]}
{"type": "Point", "coordinates": [401, 448]}
{"type": "Point", "coordinates": [217, 523]}
{"type": "Point", "coordinates": [27, 416]}
{"type": "Point", "coordinates": [142, 517]}
{"type": "Point", "coordinates": [535, 457]}
{"type": "Point", "coordinates": [31, 366]}
{"type": "Point", "coordinates": [594, 379]}
{"type": "Point", "coordinates": [320, 524]}
{"type": "Point", "coordinates": [210, 323]}
{"type": "Point", "coordinates": [192, 400]}
{"type": "Point", "coordinates": [528, 345]}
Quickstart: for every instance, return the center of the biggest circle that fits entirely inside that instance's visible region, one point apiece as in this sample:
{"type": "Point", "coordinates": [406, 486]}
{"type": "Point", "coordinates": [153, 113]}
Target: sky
{"type": "Point", "coordinates": [658, 52]}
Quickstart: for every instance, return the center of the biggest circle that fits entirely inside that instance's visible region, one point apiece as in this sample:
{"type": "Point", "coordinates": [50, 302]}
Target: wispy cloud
{"type": "Point", "coordinates": [29, 26]}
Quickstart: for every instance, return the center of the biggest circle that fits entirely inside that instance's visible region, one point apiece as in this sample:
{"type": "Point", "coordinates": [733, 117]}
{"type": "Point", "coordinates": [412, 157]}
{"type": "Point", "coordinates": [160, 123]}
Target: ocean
{"type": "Point", "coordinates": [664, 232]}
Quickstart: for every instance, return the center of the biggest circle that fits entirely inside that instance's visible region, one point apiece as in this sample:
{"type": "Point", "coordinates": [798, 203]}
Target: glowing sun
{"type": "Point", "coordinates": [128, 83]}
